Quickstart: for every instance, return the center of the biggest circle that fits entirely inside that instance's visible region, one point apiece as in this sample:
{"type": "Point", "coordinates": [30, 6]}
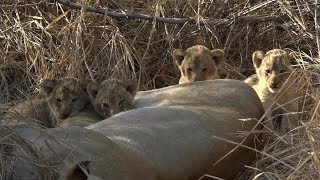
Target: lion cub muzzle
{"type": "Point", "coordinates": [276, 81]}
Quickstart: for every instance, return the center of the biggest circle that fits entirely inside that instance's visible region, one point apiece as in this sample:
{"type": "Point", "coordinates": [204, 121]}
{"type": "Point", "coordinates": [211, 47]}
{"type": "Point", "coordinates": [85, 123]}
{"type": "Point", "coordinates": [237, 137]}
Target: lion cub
{"type": "Point", "coordinates": [198, 63]}
{"type": "Point", "coordinates": [112, 96]}
{"type": "Point", "coordinates": [63, 98]}
{"type": "Point", "coordinates": [277, 87]}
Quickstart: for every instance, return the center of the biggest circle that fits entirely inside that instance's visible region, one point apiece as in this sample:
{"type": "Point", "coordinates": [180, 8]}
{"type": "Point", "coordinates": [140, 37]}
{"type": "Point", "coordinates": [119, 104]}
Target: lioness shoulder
{"type": "Point", "coordinates": [112, 96]}
{"type": "Point", "coordinates": [198, 63]}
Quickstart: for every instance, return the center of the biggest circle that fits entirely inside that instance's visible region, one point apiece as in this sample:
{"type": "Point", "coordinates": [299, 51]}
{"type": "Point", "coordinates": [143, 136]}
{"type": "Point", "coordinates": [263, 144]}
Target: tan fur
{"type": "Point", "coordinates": [63, 98]}
{"type": "Point", "coordinates": [276, 86]}
{"type": "Point", "coordinates": [198, 63]}
{"type": "Point", "coordinates": [112, 96]}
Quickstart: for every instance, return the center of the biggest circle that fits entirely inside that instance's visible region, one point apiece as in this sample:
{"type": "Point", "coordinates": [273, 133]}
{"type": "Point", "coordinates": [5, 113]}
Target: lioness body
{"type": "Point", "coordinates": [198, 63]}
{"type": "Point", "coordinates": [165, 136]}
{"type": "Point", "coordinates": [277, 87]}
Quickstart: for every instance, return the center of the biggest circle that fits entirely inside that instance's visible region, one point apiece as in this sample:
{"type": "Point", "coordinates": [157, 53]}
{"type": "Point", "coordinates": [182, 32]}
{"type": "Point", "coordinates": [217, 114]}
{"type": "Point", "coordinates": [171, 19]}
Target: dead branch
{"type": "Point", "coordinates": [192, 20]}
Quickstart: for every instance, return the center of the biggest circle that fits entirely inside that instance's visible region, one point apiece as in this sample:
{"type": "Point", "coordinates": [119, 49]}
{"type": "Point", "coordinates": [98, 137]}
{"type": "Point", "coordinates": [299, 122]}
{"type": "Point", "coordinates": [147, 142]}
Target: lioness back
{"type": "Point", "coordinates": [198, 63]}
{"type": "Point", "coordinates": [112, 96]}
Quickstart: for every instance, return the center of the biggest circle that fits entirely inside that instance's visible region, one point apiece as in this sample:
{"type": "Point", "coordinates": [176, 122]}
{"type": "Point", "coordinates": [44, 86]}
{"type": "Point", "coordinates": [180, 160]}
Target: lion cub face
{"type": "Point", "coordinates": [112, 96]}
{"type": "Point", "coordinates": [198, 63]}
{"type": "Point", "coordinates": [66, 97]}
{"type": "Point", "coordinates": [273, 69]}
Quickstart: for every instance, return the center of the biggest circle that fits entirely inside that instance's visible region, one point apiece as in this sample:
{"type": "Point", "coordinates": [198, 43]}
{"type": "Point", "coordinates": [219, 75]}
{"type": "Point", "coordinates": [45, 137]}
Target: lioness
{"type": "Point", "coordinates": [276, 86]}
{"type": "Point", "coordinates": [63, 98]}
{"type": "Point", "coordinates": [198, 63]}
{"type": "Point", "coordinates": [177, 132]}
{"type": "Point", "coordinates": [112, 96]}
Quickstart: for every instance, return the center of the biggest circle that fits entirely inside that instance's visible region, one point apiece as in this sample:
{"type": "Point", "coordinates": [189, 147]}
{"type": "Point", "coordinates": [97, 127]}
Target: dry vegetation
{"type": "Point", "coordinates": [39, 39]}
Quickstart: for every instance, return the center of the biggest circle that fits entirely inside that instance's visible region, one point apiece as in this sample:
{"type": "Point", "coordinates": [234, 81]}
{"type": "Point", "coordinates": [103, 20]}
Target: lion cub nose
{"type": "Point", "coordinates": [274, 85]}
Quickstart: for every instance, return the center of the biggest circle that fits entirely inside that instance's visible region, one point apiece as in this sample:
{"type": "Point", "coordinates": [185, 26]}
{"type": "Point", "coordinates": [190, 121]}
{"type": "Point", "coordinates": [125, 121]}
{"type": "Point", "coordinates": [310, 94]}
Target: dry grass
{"type": "Point", "coordinates": [41, 40]}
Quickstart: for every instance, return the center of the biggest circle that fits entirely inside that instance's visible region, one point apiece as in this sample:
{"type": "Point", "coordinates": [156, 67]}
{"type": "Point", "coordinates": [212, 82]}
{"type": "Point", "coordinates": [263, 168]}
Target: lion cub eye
{"type": "Point", "coordinates": [121, 102]}
{"type": "Point", "coordinates": [282, 70]}
{"type": "Point", "coordinates": [105, 105]}
{"type": "Point", "coordinates": [268, 71]}
{"type": "Point", "coordinates": [58, 100]}
{"type": "Point", "coordinates": [189, 70]}
{"type": "Point", "coordinates": [75, 99]}
{"type": "Point", "coordinates": [204, 69]}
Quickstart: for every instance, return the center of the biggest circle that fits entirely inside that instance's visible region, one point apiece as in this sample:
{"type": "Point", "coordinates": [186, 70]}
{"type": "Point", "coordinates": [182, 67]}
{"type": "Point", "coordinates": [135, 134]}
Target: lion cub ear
{"type": "Point", "coordinates": [92, 90]}
{"type": "Point", "coordinates": [84, 84]}
{"type": "Point", "coordinates": [292, 59]}
{"type": "Point", "coordinates": [131, 86]}
{"type": "Point", "coordinates": [257, 57]}
{"type": "Point", "coordinates": [47, 86]}
{"type": "Point", "coordinates": [218, 57]}
{"type": "Point", "coordinates": [178, 56]}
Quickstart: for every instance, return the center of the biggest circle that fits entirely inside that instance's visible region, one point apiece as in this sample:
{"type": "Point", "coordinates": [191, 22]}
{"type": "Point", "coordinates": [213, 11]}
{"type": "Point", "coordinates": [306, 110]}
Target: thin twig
{"type": "Point", "coordinates": [255, 7]}
{"type": "Point", "coordinates": [191, 20]}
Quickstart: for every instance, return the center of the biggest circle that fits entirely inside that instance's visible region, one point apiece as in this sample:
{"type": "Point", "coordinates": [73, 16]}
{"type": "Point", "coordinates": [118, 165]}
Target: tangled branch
{"type": "Point", "coordinates": [191, 20]}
